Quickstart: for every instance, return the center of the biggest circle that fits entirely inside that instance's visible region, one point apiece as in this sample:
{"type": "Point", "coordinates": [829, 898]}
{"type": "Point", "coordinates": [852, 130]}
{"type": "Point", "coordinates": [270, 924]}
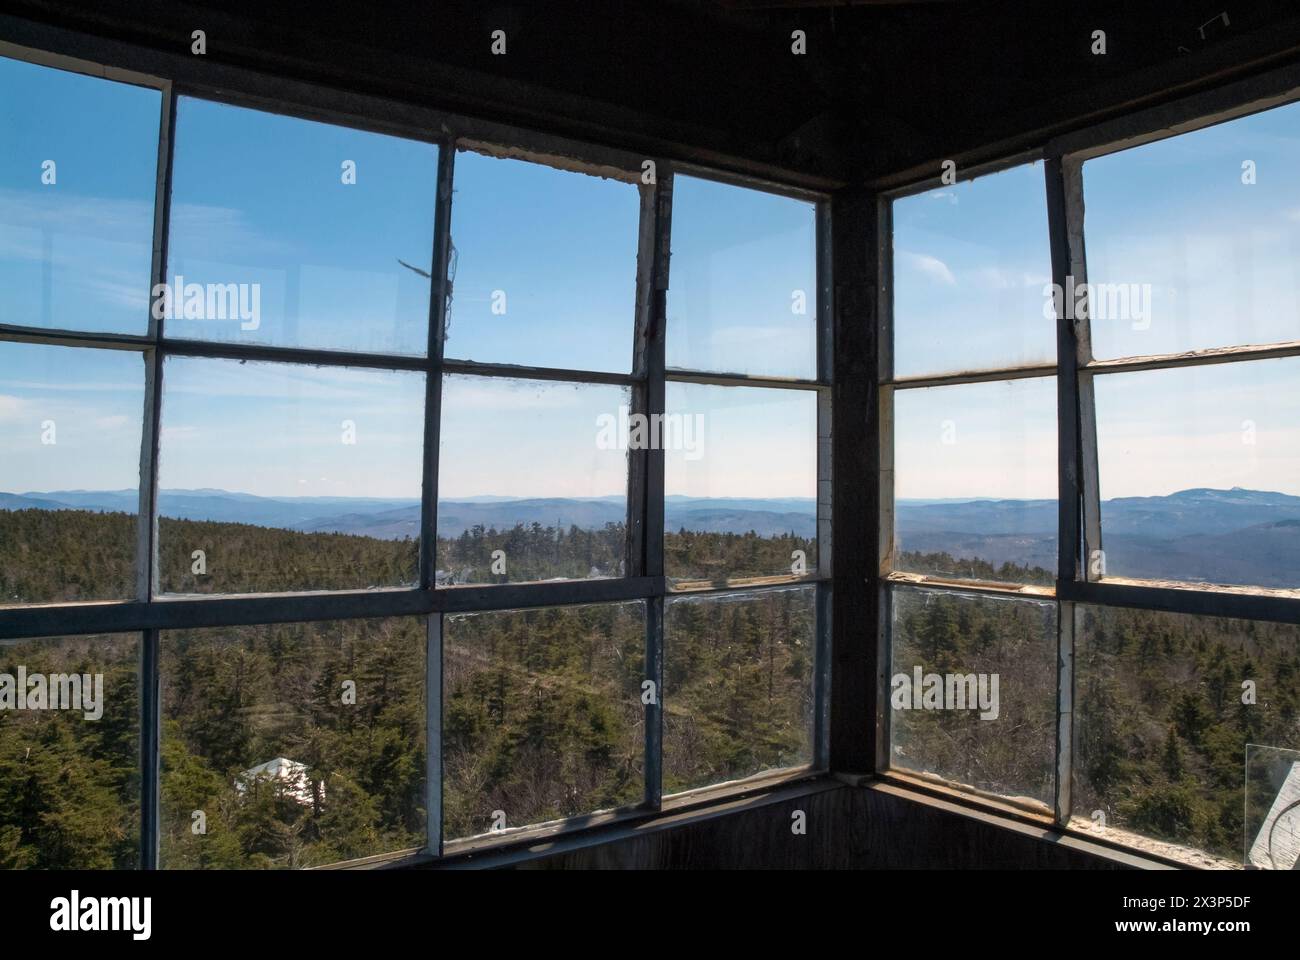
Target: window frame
{"type": "Point", "coordinates": [151, 612]}
{"type": "Point", "coordinates": [1079, 503]}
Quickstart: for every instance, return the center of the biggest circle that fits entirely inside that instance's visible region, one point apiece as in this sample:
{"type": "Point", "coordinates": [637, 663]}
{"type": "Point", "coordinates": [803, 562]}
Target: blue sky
{"type": "Point", "coordinates": [291, 430]}
{"type": "Point", "coordinates": [1223, 261]}
{"type": "Point", "coordinates": [970, 262]}
{"type": "Point", "coordinates": [968, 439]}
{"type": "Point", "coordinates": [742, 294]}
{"type": "Point", "coordinates": [95, 399]}
{"type": "Point", "coordinates": [1222, 256]}
{"type": "Point", "coordinates": [76, 253]}
{"type": "Point", "coordinates": [560, 247]}
{"type": "Point", "coordinates": [528, 438]}
{"type": "Point", "coordinates": [259, 198]}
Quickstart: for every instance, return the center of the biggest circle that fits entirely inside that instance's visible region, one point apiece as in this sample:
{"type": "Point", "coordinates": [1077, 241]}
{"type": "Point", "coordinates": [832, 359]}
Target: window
{"type": "Point", "coordinates": [744, 289]}
{"type": "Point", "coordinates": [77, 224]}
{"type": "Point", "coordinates": [973, 692]}
{"type": "Point", "coordinates": [529, 488]}
{"type": "Point", "coordinates": [69, 753]}
{"type": "Point", "coordinates": [734, 513]}
{"type": "Point", "coordinates": [738, 685]}
{"type": "Point", "coordinates": [1166, 705]}
{"type": "Point", "coordinates": [1272, 775]}
{"type": "Point", "coordinates": [971, 456]}
{"type": "Point", "coordinates": [1189, 482]}
{"type": "Point", "coordinates": [292, 745]}
{"type": "Point", "coordinates": [970, 267]}
{"type": "Point", "coordinates": [975, 481]}
{"type": "Point", "coordinates": [542, 715]}
{"type": "Point", "coordinates": [385, 461]}
{"type": "Point", "coordinates": [746, 453]}
{"type": "Point", "coordinates": [1199, 231]}
{"type": "Point", "coordinates": [545, 266]}
{"type": "Point", "coordinates": [280, 477]}
{"type": "Point", "coordinates": [1140, 636]}
{"type": "Point", "coordinates": [70, 423]}
{"type": "Point", "coordinates": [324, 234]}
{"type": "Point", "coordinates": [1198, 469]}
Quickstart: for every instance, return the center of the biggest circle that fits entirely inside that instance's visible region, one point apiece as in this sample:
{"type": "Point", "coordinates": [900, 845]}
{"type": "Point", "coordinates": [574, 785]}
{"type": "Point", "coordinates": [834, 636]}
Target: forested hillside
{"type": "Point", "coordinates": [1160, 726]}
{"type": "Point", "coordinates": [51, 556]}
{"type": "Point", "coordinates": [542, 709]}
{"type": "Point", "coordinates": [542, 713]}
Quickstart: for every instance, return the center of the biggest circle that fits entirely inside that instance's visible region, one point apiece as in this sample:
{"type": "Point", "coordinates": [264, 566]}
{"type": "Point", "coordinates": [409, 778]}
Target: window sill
{"type": "Point", "coordinates": [525, 844]}
{"type": "Point", "coordinates": [542, 841]}
{"type": "Point", "coordinates": [1154, 855]}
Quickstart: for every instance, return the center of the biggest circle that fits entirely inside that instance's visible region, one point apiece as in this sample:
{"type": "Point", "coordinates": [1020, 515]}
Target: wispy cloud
{"type": "Point", "coordinates": [202, 230]}
{"type": "Point", "coordinates": [61, 211]}
{"type": "Point", "coordinates": [11, 407]}
{"type": "Point", "coordinates": [929, 265]}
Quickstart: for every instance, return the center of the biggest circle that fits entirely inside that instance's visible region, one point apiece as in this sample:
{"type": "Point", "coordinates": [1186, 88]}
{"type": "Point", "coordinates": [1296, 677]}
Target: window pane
{"type": "Point", "coordinates": [1165, 705]}
{"type": "Point", "coordinates": [975, 481]}
{"type": "Point", "coordinates": [70, 422]}
{"type": "Point", "coordinates": [743, 295]}
{"type": "Point", "coordinates": [1272, 813]}
{"type": "Point", "coordinates": [532, 486]}
{"type": "Point", "coordinates": [324, 234]}
{"type": "Point", "coordinates": [973, 691]}
{"type": "Point", "coordinates": [545, 266]}
{"type": "Point", "coordinates": [77, 180]}
{"type": "Point", "coordinates": [972, 276]}
{"type": "Point", "coordinates": [299, 744]}
{"type": "Point", "coordinates": [542, 716]}
{"type": "Point", "coordinates": [738, 685]}
{"type": "Point", "coordinates": [1200, 473]}
{"type": "Point", "coordinates": [733, 512]}
{"type": "Point", "coordinates": [288, 477]}
{"type": "Point", "coordinates": [1201, 230]}
{"type": "Point", "coordinates": [69, 753]}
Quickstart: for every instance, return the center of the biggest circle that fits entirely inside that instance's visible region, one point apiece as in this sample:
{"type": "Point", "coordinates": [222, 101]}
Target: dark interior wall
{"type": "Point", "coordinates": [985, 79]}
{"type": "Point", "coordinates": [885, 87]}
{"type": "Point", "coordinates": [847, 828]}
{"type": "Point", "coordinates": [686, 79]}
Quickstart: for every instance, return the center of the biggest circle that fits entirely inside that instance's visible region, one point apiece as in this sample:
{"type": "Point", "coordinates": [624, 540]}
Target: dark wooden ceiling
{"type": "Point", "coordinates": [885, 87]}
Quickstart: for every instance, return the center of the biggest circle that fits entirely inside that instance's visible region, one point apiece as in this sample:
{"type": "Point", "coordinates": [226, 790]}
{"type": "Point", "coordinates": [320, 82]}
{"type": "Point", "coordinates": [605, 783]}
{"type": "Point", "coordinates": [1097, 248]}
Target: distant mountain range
{"type": "Point", "coordinates": [1216, 536]}
{"type": "Point", "coordinates": [396, 518]}
{"type": "Point", "coordinates": [1224, 536]}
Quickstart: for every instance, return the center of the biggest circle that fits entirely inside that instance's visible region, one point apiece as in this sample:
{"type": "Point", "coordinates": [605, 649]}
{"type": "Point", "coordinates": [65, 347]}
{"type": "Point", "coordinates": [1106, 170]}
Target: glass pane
{"type": "Point", "coordinates": [1272, 808]}
{"type": "Point", "coordinates": [975, 481]}
{"type": "Point", "coordinates": [734, 513]}
{"type": "Point", "coordinates": [70, 423]}
{"type": "Point", "coordinates": [286, 477]}
{"type": "Point", "coordinates": [532, 485]}
{"type": "Point", "coordinates": [69, 753]}
{"type": "Point", "coordinates": [542, 716]}
{"type": "Point", "coordinates": [1200, 233]}
{"type": "Point", "coordinates": [1165, 705]}
{"type": "Point", "coordinates": [738, 685]}
{"type": "Point", "coordinates": [1200, 473]}
{"type": "Point", "coordinates": [298, 234]}
{"type": "Point", "coordinates": [545, 266]}
{"type": "Point", "coordinates": [292, 745]}
{"type": "Point", "coordinates": [77, 179]}
{"type": "Point", "coordinates": [743, 295]}
{"type": "Point", "coordinates": [973, 692]}
{"type": "Point", "coordinates": [973, 275]}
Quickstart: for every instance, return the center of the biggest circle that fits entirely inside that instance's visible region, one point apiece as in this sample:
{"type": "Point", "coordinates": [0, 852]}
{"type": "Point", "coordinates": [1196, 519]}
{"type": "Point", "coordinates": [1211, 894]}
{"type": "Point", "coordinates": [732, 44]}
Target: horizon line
{"type": "Point", "coordinates": [923, 501]}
